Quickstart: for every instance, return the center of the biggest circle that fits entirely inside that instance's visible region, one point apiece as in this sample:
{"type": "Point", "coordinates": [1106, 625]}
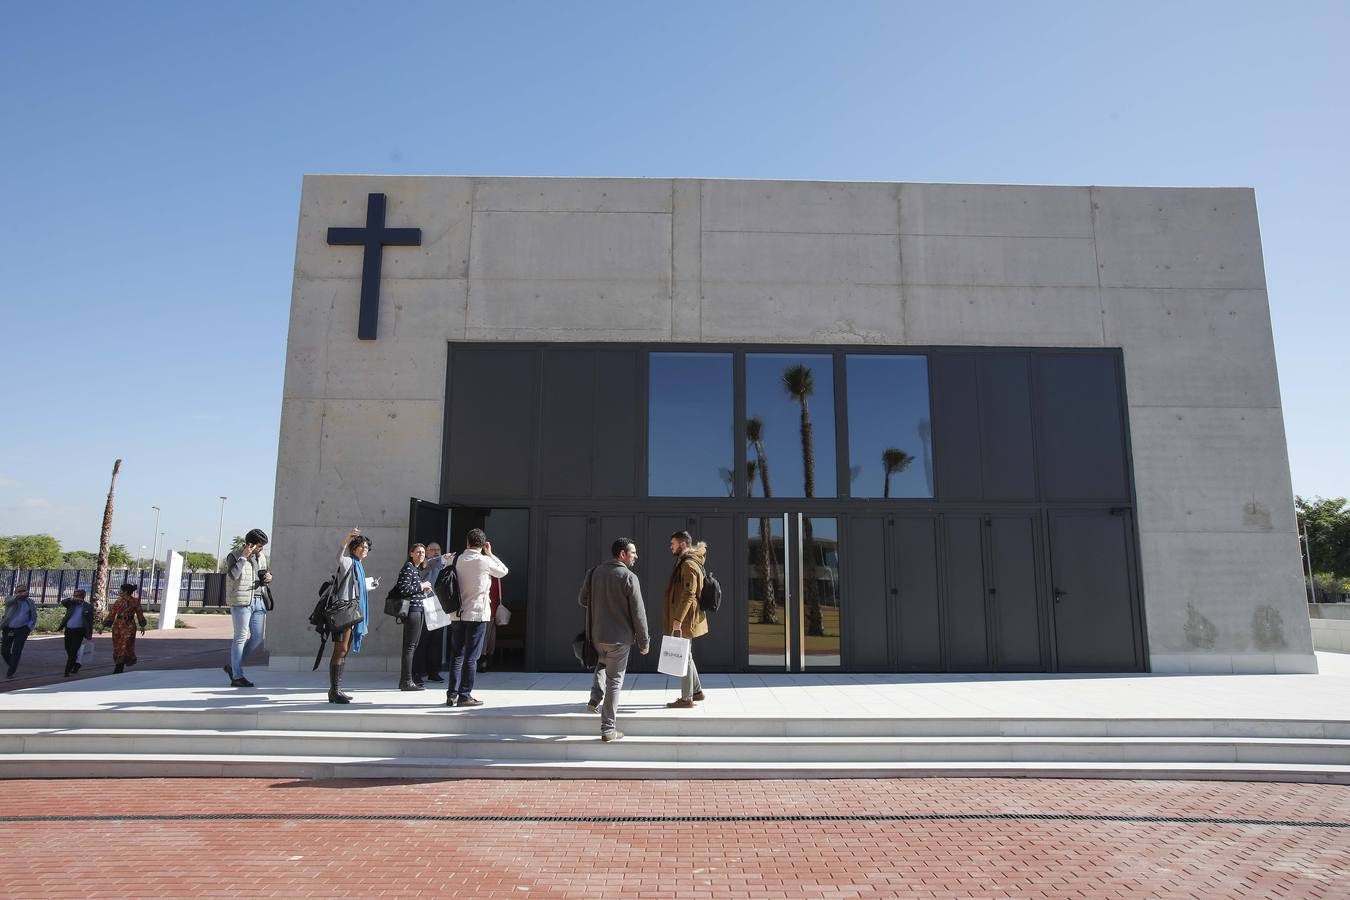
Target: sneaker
{"type": "Point", "coordinates": [608, 736]}
{"type": "Point", "coordinates": [592, 707]}
{"type": "Point", "coordinates": [451, 701]}
{"type": "Point", "coordinates": [682, 703]}
{"type": "Point", "coordinates": [698, 696]}
{"type": "Point", "coordinates": [411, 686]}
{"type": "Point", "coordinates": [469, 701]}
{"type": "Point", "coordinates": [241, 682]}
{"type": "Point", "coordinates": [435, 679]}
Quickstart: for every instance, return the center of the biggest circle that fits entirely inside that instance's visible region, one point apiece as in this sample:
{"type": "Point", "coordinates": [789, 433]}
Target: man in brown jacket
{"type": "Point", "coordinates": [682, 609]}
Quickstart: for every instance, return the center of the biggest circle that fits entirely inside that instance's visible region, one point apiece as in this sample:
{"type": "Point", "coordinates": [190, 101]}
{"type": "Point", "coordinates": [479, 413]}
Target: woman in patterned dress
{"type": "Point", "coordinates": [124, 616]}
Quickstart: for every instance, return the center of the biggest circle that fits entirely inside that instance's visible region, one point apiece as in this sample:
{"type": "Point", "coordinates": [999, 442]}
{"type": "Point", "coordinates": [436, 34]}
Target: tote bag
{"type": "Point", "coordinates": [433, 616]}
{"type": "Point", "coordinates": [674, 656]}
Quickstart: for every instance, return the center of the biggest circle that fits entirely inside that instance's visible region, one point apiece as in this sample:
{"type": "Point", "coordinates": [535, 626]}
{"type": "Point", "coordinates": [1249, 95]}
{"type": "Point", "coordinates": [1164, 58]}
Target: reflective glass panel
{"type": "Point", "coordinates": [789, 408]}
{"type": "Point", "coordinates": [889, 431]}
{"type": "Point", "coordinates": [689, 431]}
{"type": "Point", "coordinates": [822, 605]}
{"type": "Point", "coordinates": [768, 595]}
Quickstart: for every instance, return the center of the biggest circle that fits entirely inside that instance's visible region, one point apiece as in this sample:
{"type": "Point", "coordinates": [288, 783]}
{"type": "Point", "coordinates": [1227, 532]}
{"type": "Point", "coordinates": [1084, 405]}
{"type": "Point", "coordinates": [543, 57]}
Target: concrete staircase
{"type": "Point", "coordinates": [318, 740]}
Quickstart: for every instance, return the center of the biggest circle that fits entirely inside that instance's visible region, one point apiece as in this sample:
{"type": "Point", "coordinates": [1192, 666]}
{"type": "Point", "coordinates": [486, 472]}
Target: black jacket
{"type": "Point", "coordinates": [88, 617]}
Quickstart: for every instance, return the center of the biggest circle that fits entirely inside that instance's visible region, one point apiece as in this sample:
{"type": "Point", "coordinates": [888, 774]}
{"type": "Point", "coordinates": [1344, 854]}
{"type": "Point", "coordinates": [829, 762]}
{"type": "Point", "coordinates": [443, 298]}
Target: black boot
{"type": "Point", "coordinates": [118, 669]}
{"type": "Point", "coordinates": [335, 695]}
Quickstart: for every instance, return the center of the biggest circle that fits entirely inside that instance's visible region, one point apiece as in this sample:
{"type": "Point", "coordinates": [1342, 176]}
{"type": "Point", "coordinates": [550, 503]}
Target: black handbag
{"type": "Point", "coordinates": [342, 614]}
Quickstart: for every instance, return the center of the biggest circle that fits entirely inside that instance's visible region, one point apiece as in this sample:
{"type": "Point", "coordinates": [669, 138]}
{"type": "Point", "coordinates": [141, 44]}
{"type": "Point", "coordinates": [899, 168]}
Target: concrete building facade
{"type": "Point", "coordinates": [1038, 323]}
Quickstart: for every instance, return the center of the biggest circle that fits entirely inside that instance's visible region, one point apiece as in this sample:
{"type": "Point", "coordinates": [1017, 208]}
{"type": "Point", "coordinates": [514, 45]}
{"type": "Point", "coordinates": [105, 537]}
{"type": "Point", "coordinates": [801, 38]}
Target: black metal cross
{"type": "Point", "coordinates": [374, 237]}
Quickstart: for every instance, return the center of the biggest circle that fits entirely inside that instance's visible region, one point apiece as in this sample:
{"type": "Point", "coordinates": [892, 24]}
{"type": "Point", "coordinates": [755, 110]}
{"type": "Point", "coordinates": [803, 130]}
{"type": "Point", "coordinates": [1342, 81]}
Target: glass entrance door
{"type": "Point", "coordinates": [795, 603]}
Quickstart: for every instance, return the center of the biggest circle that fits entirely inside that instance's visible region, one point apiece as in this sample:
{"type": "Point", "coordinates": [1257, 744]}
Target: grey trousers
{"type": "Point", "coordinates": [605, 693]}
{"type": "Point", "coordinates": [690, 683]}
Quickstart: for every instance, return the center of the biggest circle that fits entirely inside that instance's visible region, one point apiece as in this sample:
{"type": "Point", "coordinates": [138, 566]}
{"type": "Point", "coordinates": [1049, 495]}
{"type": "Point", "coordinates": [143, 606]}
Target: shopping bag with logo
{"type": "Point", "coordinates": [674, 656]}
{"type": "Point", "coordinates": [433, 615]}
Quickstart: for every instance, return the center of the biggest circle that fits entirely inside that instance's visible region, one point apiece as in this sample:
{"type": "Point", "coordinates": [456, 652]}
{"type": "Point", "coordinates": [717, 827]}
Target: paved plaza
{"type": "Point", "coordinates": [910, 838]}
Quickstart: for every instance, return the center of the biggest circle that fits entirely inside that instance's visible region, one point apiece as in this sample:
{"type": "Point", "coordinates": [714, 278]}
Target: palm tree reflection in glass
{"type": "Point", "coordinates": [767, 563]}
{"type": "Point", "coordinates": [799, 384]}
{"type": "Point", "coordinates": [893, 461]}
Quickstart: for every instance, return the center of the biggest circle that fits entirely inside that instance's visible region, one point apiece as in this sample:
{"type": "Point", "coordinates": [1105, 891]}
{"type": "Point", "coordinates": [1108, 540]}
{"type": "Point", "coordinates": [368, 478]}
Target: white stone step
{"type": "Point", "coordinates": [93, 765]}
{"type": "Point", "coordinates": [322, 716]}
{"type": "Point", "coordinates": [660, 750]}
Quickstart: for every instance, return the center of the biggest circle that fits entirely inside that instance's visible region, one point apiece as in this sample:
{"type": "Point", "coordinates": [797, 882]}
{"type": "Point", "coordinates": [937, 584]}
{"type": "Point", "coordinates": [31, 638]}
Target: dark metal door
{"type": "Point", "coordinates": [1013, 603]}
{"type": "Point", "coordinates": [1096, 621]}
{"type": "Point", "coordinates": [428, 522]}
{"type": "Point", "coordinates": [915, 590]}
{"type": "Point", "coordinates": [965, 622]}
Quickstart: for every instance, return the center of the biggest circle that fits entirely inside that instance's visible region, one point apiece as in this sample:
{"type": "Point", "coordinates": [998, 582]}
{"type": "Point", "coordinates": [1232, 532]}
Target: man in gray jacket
{"type": "Point", "coordinates": [616, 620]}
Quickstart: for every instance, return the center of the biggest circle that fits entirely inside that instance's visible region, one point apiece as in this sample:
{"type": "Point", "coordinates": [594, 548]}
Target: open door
{"type": "Point", "coordinates": [427, 522]}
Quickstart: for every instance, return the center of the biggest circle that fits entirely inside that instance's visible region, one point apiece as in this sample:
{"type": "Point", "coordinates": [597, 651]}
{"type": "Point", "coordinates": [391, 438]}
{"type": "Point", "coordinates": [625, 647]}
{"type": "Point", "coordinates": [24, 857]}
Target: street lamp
{"type": "Point", "coordinates": [154, 548]}
{"type": "Point", "coordinates": [220, 529]}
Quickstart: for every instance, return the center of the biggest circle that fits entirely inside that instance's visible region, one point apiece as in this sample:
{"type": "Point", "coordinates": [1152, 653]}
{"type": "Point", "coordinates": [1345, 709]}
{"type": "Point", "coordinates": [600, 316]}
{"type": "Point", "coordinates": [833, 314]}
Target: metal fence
{"type": "Point", "coordinates": [48, 587]}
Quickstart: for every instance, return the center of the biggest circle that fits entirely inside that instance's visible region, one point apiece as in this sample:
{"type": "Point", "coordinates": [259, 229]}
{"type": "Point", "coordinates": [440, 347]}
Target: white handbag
{"type": "Point", "coordinates": [674, 658]}
{"type": "Point", "coordinates": [85, 653]}
{"type": "Point", "coordinates": [503, 615]}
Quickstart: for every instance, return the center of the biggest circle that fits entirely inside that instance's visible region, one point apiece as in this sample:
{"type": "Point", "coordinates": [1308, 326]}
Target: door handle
{"type": "Point", "coordinates": [1060, 595]}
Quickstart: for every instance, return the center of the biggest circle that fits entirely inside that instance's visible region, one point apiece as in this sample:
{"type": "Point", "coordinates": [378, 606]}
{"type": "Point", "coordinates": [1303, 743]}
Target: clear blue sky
{"type": "Point", "coordinates": [151, 156]}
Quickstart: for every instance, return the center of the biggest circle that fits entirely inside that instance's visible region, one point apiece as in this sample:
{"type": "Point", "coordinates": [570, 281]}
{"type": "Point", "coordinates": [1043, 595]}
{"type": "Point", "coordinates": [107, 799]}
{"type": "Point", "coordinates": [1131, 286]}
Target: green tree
{"type": "Point", "coordinates": [30, 551]}
{"type": "Point", "coordinates": [237, 542]}
{"type": "Point", "coordinates": [1327, 523]}
{"type": "Point", "coordinates": [199, 562]}
{"type": "Point", "coordinates": [118, 556]}
{"type": "Point", "coordinates": [800, 384]}
{"type": "Point", "coordinates": [893, 461]}
{"type": "Point", "coordinates": [79, 559]}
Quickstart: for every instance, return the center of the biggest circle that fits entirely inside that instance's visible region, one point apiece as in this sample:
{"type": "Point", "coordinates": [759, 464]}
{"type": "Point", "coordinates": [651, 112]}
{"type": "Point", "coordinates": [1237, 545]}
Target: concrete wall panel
{"type": "Point", "coordinates": [373, 456]}
{"type": "Point", "coordinates": [846, 314]}
{"type": "Point", "coordinates": [1194, 347]}
{"type": "Point", "coordinates": [439, 206]}
{"type": "Point", "coordinates": [1176, 237]}
{"type": "Point", "coordinates": [1217, 594]}
{"type": "Point", "coordinates": [686, 260]}
{"type": "Point", "coordinates": [1002, 316]}
{"type": "Point", "coordinates": [572, 195]}
{"type": "Point", "coordinates": [999, 261]}
{"type": "Point", "coordinates": [1211, 469]}
{"type": "Point", "coordinates": [762, 257]}
{"type": "Point", "coordinates": [800, 206]}
{"type": "Point", "coordinates": [995, 210]}
{"type": "Point", "coordinates": [568, 310]}
{"type": "Point", "coordinates": [571, 246]}
{"type": "Point", "coordinates": [298, 453]}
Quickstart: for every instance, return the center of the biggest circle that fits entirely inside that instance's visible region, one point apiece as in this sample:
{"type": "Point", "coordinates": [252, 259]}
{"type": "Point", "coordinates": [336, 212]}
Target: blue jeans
{"type": "Point", "coordinates": [466, 645]}
{"type": "Point", "coordinates": [250, 625]}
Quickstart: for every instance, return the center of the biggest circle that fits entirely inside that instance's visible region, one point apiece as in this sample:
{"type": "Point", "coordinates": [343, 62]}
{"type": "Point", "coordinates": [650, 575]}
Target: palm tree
{"type": "Point", "coordinates": [799, 383]}
{"type": "Point", "coordinates": [100, 586]}
{"type": "Point", "coordinates": [893, 460]}
{"type": "Point", "coordinates": [768, 574]}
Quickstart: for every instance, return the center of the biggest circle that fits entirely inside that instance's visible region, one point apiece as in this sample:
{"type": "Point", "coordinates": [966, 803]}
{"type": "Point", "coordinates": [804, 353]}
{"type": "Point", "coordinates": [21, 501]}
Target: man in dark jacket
{"type": "Point", "coordinates": [78, 627]}
{"type": "Point", "coordinates": [616, 620]}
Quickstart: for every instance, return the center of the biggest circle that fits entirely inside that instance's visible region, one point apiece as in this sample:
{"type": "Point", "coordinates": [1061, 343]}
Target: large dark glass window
{"type": "Point", "coordinates": [689, 425]}
{"type": "Point", "coordinates": [789, 429]}
{"type": "Point", "coordinates": [889, 431]}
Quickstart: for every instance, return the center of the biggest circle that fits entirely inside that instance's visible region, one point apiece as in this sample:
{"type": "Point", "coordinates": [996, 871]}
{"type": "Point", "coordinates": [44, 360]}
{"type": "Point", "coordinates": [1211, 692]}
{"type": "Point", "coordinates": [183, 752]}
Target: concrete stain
{"type": "Point", "coordinates": [1256, 515]}
{"type": "Point", "coordinates": [1268, 628]}
{"type": "Point", "coordinates": [1200, 631]}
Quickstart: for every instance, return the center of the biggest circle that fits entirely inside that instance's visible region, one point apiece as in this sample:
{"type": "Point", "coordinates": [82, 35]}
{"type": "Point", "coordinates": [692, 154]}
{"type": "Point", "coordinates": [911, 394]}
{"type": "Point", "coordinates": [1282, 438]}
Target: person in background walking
{"type": "Point", "coordinates": [351, 585]}
{"type": "Point", "coordinates": [124, 616]}
{"type": "Point", "coordinates": [431, 645]}
{"type": "Point", "coordinates": [78, 627]}
{"type": "Point", "coordinates": [683, 614]}
{"type": "Point", "coordinates": [19, 621]}
{"type": "Point", "coordinates": [476, 567]}
{"type": "Point", "coordinates": [410, 588]}
{"type": "Point", "coordinates": [246, 580]}
{"type": "Point", "coordinates": [616, 620]}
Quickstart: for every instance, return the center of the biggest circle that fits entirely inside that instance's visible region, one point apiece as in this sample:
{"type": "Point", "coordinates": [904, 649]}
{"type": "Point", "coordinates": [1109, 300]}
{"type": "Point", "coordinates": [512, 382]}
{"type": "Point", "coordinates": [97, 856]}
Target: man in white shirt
{"type": "Point", "coordinates": [475, 567]}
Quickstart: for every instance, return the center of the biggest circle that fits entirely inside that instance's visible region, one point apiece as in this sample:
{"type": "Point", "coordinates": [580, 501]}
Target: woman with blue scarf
{"type": "Point", "coordinates": [350, 585]}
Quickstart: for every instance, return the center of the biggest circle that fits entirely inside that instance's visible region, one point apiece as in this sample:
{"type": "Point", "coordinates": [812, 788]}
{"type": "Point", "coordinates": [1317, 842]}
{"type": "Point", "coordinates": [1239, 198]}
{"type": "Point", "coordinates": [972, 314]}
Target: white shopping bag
{"type": "Point", "coordinates": [85, 653]}
{"type": "Point", "coordinates": [433, 615]}
{"type": "Point", "coordinates": [674, 656]}
{"type": "Point", "coordinates": [503, 615]}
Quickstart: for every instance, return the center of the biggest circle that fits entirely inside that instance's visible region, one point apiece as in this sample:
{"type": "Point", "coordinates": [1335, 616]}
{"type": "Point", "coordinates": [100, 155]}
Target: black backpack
{"type": "Point", "coordinates": [447, 587]}
{"type": "Point", "coordinates": [319, 617]}
{"type": "Point", "coordinates": [710, 598]}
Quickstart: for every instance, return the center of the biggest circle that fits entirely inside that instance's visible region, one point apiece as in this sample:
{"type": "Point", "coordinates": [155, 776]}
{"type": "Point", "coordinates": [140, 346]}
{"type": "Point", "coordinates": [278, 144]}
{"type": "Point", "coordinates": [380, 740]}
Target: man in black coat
{"type": "Point", "coordinates": [78, 627]}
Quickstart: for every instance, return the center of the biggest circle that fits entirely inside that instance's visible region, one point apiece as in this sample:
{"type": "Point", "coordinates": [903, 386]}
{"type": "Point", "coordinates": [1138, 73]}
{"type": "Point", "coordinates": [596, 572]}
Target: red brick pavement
{"type": "Point", "coordinates": [808, 858]}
